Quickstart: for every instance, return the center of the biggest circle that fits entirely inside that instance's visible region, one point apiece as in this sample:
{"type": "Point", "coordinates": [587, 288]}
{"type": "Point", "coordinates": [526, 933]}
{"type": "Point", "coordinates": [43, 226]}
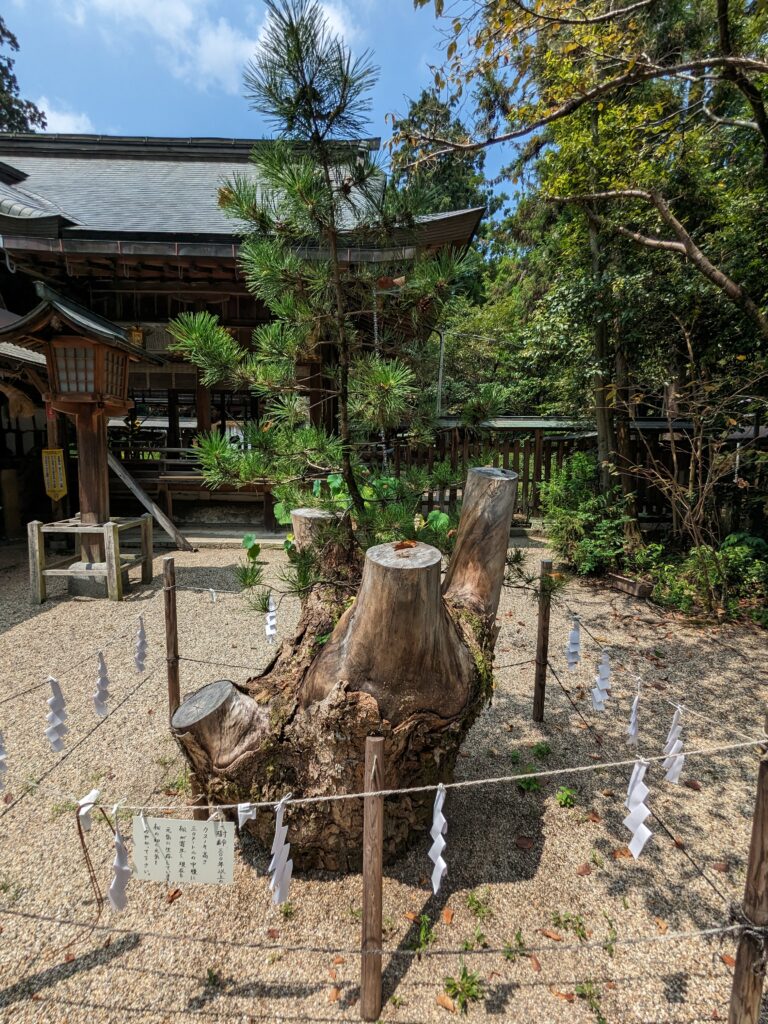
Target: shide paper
{"type": "Point", "coordinates": [280, 867]}
{"type": "Point", "coordinates": [140, 655]}
{"type": "Point", "coordinates": [573, 647]}
{"type": "Point", "coordinates": [101, 696]}
{"type": "Point", "coordinates": [438, 830]}
{"type": "Point", "coordinates": [56, 729]}
{"type": "Point", "coordinates": [637, 791]}
{"type": "Point", "coordinates": [673, 764]}
{"type": "Point", "coordinates": [602, 686]}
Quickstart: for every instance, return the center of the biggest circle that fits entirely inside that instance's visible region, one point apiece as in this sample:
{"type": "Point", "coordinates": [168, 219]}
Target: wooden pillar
{"type": "Point", "coordinates": [112, 558]}
{"type": "Point", "coordinates": [56, 437]}
{"type": "Point", "coordinates": [542, 640]}
{"type": "Point", "coordinates": [147, 552]}
{"type": "Point", "coordinates": [36, 542]}
{"type": "Point", "coordinates": [749, 973]}
{"type": "Point", "coordinates": [203, 407]}
{"type": "Point", "coordinates": [373, 854]}
{"type": "Point", "coordinates": [171, 633]}
{"type": "Point", "coordinates": [93, 478]}
{"type": "Point", "coordinates": [173, 435]}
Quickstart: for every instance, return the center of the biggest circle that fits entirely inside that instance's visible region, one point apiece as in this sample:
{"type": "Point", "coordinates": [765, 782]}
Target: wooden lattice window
{"type": "Point", "coordinates": [75, 369]}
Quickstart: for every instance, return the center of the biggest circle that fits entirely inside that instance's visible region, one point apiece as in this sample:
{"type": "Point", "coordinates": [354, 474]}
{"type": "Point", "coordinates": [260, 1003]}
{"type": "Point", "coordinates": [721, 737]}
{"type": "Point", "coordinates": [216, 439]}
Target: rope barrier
{"type": "Point", "coordinates": [463, 784]}
{"type": "Point", "coordinates": [559, 948]}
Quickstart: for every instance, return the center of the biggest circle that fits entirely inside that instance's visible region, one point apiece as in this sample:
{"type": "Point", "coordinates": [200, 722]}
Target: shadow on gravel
{"type": "Point", "coordinates": [35, 983]}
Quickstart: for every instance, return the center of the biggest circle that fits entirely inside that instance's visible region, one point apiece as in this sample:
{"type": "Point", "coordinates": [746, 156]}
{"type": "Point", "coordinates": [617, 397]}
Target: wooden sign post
{"type": "Point", "coordinates": [749, 973]}
{"type": "Point", "coordinates": [373, 855]}
{"type": "Point", "coordinates": [542, 640]}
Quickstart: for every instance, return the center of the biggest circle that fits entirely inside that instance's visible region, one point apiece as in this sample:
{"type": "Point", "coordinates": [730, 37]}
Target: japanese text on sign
{"type": "Point", "coordinates": [177, 850]}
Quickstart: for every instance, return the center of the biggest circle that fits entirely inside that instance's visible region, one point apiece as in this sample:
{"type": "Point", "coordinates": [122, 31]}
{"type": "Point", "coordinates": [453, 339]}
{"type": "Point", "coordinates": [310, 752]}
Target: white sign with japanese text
{"type": "Point", "coordinates": [177, 850]}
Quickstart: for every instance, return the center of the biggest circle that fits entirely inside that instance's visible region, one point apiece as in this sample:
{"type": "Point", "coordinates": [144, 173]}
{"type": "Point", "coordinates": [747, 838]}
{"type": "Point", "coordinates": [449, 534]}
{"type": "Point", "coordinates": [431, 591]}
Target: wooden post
{"type": "Point", "coordinates": [112, 558]}
{"type": "Point", "coordinates": [542, 641]}
{"type": "Point", "coordinates": [373, 854]}
{"type": "Point", "coordinates": [749, 975]}
{"type": "Point", "coordinates": [147, 552]}
{"type": "Point", "coordinates": [36, 543]}
{"type": "Point", "coordinates": [171, 634]}
{"type": "Point", "coordinates": [93, 478]}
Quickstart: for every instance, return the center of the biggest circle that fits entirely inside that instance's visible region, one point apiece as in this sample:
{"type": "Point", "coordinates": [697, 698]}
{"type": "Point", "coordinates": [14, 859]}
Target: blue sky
{"type": "Point", "coordinates": [173, 67]}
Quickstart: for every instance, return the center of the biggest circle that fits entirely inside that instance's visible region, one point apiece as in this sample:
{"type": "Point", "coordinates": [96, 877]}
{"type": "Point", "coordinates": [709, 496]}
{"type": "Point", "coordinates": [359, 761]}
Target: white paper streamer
{"type": "Point", "coordinates": [634, 725]}
{"type": "Point", "coordinates": [280, 867]}
{"type": "Point", "coordinates": [270, 621]}
{"type": "Point", "coordinates": [573, 647]}
{"type": "Point", "coordinates": [3, 764]}
{"type": "Point", "coordinates": [101, 696]}
{"type": "Point", "coordinates": [602, 685]}
{"type": "Point", "coordinates": [245, 812]}
{"type": "Point", "coordinates": [84, 808]}
{"type": "Point", "coordinates": [140, 657]}
{"type": "Point", "coordinates": [57, 715]}
{"type": "Point", "coordinates": [118, 897]}
{"type": "Point", "coordinates": [637, 791]}
{"type": "Point", "coordinates": [212, 592]}
{"type": "Point", "coordinates": [675, 760]}
{"type": "Point", "coordinates": [438, 830]}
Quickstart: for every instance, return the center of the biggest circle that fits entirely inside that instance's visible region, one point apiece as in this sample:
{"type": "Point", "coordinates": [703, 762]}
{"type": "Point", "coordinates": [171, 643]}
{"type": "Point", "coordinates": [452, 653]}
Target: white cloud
{"type": "Point", "coordinates": [197, 45]}
{"type": "Point", "coordinates": [64, 121]}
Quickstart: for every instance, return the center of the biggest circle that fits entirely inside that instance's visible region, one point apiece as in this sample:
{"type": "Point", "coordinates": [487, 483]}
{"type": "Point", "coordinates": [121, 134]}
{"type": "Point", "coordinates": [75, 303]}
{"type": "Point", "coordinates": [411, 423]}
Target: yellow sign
{"type": "Point", "coordinates": [53, 473]}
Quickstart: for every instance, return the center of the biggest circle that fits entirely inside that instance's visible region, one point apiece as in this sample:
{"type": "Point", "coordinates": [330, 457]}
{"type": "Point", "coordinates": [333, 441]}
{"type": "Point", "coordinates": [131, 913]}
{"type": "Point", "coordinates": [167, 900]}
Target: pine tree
{"type": "Point", "coordinates": [16, 114]}
{"type": "Point", "coordinates": [317, 195]}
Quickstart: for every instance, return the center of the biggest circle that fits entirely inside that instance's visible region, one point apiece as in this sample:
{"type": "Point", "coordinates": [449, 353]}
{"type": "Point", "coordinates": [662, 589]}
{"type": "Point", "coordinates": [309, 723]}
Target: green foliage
{"type": "Point", "coordinates": [541, 750]}
{"type": "Point", "coordinates": [16, 114]}
{"type": "Point", "coordinates": [516, 948]}
{"type": "Point", "coordinates": [609, 944]}
{"type": "Point", "coordinates": [529, 785]}
{"type": "Point", "coordinates": [590, 993]}
{"type": "Point", "coordinates": [478, 941]}
{"type": "Point", "coordinates": [425, 935]}
{"type": "Point", "coordinates": [479, 904]}
{"type": "Point", "coordinates": [571, 923]}
{"type": "Point", "coordinates": [566, 797]}
{"type": "Point", "coordinates": [586, 528]}
{"type": "Point", "coordinates": [465, 989]}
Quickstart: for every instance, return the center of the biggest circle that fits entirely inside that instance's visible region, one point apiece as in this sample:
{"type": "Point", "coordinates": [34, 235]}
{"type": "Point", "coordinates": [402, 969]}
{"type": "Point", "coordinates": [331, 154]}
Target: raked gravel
{"type": "Point", "coordinates": [216, 954]}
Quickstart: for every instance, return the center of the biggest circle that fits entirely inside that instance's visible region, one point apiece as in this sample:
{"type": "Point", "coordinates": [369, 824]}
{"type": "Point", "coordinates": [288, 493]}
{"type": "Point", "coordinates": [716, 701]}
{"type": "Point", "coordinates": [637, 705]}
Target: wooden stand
{"type": "Point", "coordinates": [111, 568]}
{"type": "Point", "coordinates": [373, 854]}
{"type": "Point", "coordinates": [542, 641]}
{"type": "Point", "coordinates": [749, 973]}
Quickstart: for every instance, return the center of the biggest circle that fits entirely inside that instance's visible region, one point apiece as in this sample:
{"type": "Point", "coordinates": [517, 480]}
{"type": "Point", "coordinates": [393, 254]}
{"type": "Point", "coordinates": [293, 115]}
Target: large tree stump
{"type": "Point", "coordinates": [403, 661]}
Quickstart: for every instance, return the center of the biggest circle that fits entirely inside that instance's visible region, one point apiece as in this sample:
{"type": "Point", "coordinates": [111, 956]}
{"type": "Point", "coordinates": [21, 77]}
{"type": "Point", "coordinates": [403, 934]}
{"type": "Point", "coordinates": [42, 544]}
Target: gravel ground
{"type": "Point", "coordinates": [215, 952]}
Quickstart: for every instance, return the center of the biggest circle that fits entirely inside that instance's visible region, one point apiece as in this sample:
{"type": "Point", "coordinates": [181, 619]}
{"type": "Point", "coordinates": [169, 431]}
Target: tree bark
{"type": "Point", "coordinates": [402, 661]}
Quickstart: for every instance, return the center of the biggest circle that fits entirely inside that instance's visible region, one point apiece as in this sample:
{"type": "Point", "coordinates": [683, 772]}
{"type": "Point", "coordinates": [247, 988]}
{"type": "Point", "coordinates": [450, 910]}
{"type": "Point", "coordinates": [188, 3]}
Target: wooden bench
{"type": "Point", "coordinates": [193, 485]}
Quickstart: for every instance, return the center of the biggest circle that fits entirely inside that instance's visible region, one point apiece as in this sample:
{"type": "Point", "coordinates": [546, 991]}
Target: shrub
{"type": "Point", "coordinates": [585, 528]}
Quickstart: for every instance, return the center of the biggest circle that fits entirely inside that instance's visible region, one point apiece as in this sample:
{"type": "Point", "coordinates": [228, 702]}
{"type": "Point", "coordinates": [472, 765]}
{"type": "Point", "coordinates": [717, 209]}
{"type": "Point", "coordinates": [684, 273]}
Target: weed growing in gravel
{"type": "Point", "coordinates": [12, 890]}
{"type": "Point", "coordinates": [356, 913]}
{"type": "Point", "coordinates": [571, 923]}
{"type": "Point", "coordinates": [426, 935]}
{"type": "Point", "coordinates": [466, 989]}
{"type": "Point", "coordinates": [514, 757]}
{"type": "Point", "coordinates": [529, 785]}
{"type": "Point", "coordinates": [597, 859]}
{"type": "Point", "coordinates": [479, 904]}
{"type": "Point", "coordinates": [212, 979]}
{"type": "Point", "coordinates": [516, 948]}
{"type": "Point", "coordinates": [590, 993]}
{"type": "Point", "coordinates": [180, 785]}
{"type": "Point", "coordinates": [396, 1001]}
{"type": "Point", "coordinates": [287, 910]}
{"type": "Point", "coordinates": [478, 940]}
{"type": "Point", "coordinates": [609, 945]}
{"type": "Point", "coordinates": [566, 797]}
{"type": "Point", "coordinates": [541, 750]}
{"type": "Point", "coordinates": [66, 807]}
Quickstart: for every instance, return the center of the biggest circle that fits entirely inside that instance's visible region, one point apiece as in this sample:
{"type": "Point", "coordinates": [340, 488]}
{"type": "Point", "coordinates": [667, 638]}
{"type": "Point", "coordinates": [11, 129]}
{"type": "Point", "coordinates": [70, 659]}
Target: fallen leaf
{"type": "Point", "coordinates": [720, 865]}
{"type": "Point", "coordinates": [581, 725]}
{"type": "Point", "coordinates": [446, 1002]}
{"type": "Point", "coordinates": [679, 843]}
{"type": "Point", "coordinates": [423, 880]}
{"type": "Point", "coordinates": [607, 792]}
{"type": "Point", "coordinates": [69, 958]}
{"type": "Point", "coordinates": [151, 711]}
{"type": "Point", "coordinates": [411, 916]}
{"type": "Point", "coordinates": [693, 784]}
{"type": "Point", "coordinates": [610, 984]}
{"type": "Point", "coordinates": [447, 915]}
{"type": "Point", "coordinates": [549, 933]}
{"type": "Point", "coordinates": [596, 757]}
{"type": "Point", "coordinates": [728, 960]}
{"type": "Point", "coordinates": [273, 933]}
{"type": "Point", "coordinates": [621, 853]}
{"type": "Point", "coordinates": [584, 869]}
{"type": "Point", "coordinates": [333, 995]}
{"type": "Point", "coordinates": [567, 996]}
{"type": "Point", "coordinates": [8, 798]}
{"type": "Point", "coordinates": [524, 843]}
{"type": "Point", "coordinates": [661, 924]}
{"type": "Point", "coordinates": [333, 975]}
{"type": "Point", "coordinates": [534, 961]}
{"type": "Point", "coordinates": [403, 545]}
{"type": "Point", "coordinates": [173, 895]}
{"type": "Point", "coordinates": [339, 960]}
{"type": "Point", "coordinates": [594, 816]}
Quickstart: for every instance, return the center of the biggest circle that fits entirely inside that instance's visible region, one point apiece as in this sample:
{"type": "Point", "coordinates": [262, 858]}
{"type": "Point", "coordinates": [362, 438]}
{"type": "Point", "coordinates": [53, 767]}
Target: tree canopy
{"type": "Point", "coordinates": [16, 114]}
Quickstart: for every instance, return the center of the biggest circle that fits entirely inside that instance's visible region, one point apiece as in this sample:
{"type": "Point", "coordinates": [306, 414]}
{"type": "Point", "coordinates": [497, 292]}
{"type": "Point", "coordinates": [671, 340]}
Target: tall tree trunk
{"type": "Point", "coordinates": [632, 536]}
{"type": "Point", "coordinates": [601, 383]}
